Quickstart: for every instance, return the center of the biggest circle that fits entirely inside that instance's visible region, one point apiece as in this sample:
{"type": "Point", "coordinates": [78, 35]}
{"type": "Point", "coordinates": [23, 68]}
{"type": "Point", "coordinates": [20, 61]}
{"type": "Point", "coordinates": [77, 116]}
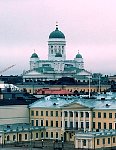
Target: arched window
{"type": "Point", "coordinates": [8, 138]}
{"type": "Point", "coordinates": [14, 137]}
{"type": "Point", "coordinates": [51, 51]}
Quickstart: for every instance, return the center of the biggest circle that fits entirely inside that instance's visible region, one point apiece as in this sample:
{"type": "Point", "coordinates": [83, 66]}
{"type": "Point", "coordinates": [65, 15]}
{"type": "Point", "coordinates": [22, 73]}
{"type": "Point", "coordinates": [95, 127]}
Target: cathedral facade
{"type": "Point", "coordinates": [56, 66]}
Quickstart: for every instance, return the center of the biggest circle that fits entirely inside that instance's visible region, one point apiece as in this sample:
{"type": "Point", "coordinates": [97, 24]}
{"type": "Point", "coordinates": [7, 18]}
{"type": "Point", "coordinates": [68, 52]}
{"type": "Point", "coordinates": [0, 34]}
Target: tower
{"type": "Point", "coordinates": [34, 61]}
{"type": "Point", "coordinates": [56, 45]}
{"type": "Point", "coordinates": [79, 61]}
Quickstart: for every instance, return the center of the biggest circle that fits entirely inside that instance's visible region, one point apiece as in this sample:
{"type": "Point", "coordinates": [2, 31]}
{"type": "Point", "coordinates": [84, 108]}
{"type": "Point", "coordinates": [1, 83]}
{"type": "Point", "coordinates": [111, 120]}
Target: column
{"type": "Point", "coordinates": [73, 119]}
{"type": "Point", "coordinates": [84, 122]}
{"type": "Point", "coordinates": [79, 120]}
{"type": "Point", "coordinates": [87, 143]}
{"type": "Point", "coordinates": [62, 120]}
{"type": "Point", "coordinates": [68, 119]}
{"type": "Point", "coordinates": [91, 144]}
{"type": "Point", "coordinates": [90, 120]}
{"type": "Point", "coordinates": [81, 143]}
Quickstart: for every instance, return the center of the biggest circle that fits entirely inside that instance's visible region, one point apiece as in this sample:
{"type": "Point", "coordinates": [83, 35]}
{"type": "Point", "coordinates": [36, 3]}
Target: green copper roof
{"type": "Point", "coordinates": [78, 56]}
{"type": "Point", "coordinates": [58, 55]}
{"type": "Point", "coordinates": [56, 34]}
{"type": "Point", "coordinates": [34, 55]}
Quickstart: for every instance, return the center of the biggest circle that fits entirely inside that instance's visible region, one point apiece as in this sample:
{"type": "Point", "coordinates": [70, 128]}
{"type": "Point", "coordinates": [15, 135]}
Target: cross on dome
{"type": "Point", "coordinates": [56, 25]}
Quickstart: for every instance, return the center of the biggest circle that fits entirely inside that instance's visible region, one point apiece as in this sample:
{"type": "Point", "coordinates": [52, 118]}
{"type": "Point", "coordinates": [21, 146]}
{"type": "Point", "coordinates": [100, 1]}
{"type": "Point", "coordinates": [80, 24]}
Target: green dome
{"type": "Point", "coordinates": [58, 55]}
{"type": "Point", "coordinates": [78, 56]}
{"type": "Point", "coordinates": [56, 34]}
{"type": "Point", "coordinates": [34, 55]}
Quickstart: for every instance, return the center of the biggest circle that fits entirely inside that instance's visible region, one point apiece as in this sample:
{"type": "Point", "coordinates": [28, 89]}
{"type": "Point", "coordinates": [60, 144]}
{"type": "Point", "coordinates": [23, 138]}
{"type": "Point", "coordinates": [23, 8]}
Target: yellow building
{"type": "Point", "coordinates": [63, 116]}
{"type": "Point", "coordinates": [96, 140]}
{"type": "Point", "coordinates": [16, 133]}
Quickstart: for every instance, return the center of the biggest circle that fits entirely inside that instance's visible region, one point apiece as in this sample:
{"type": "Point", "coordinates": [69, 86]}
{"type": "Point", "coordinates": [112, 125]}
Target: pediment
{"type": "Point", "coordinates": [75, 106]}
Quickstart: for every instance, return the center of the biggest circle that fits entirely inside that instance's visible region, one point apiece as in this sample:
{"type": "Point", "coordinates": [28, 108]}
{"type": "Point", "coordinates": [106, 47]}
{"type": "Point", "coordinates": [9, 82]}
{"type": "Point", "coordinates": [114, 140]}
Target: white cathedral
{"type": "Point", "coordinates": [56, 66]}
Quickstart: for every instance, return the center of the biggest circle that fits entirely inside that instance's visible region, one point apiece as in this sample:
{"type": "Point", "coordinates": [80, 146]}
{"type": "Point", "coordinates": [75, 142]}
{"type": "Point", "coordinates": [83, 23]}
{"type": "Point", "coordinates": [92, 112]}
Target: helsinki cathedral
{"type": "Point", "coordinates": [57, 66]}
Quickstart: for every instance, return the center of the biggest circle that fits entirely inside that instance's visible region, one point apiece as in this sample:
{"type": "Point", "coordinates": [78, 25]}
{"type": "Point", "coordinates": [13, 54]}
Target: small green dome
{"type": "Point", "coordinates": [34, 55]}
{"type": "Point", "coordinates": [78, 56]}
{"type": "Point", "coordinates": [56, 34]}
{"type": "Point", "coordinates": [58, 55]}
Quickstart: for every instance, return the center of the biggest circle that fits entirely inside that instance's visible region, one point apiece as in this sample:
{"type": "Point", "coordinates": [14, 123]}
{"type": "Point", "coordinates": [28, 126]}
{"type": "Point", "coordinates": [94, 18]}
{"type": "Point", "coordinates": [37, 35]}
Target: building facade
{"type": "Point", "coordinates": [65, 117]}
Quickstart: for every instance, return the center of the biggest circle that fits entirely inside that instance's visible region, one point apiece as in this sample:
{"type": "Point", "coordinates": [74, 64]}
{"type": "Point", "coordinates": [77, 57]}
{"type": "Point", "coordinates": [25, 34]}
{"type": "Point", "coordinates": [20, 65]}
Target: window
{"type": "Point", "coordinates": [14, 137]}
{"type": "Point", "coordinates": [71, 124]}
{"type": "Point", "coordinates": [65, 113]}
{"type": "Point", "coordinates": [104, 125]}
{"type": "Point", "coordinates": [51, 113]}
{"type": "Point", "coordinates": [115, 115]}
{"type": "Point", "coordinates": [103, 141]}
{"type": "Point", "coordinates": [41, 113]}
{"type": "Point", "coordinates": [51, 123]}
{"type": "Point", "coordinates": [110, 115]}
{"type": "Point", "coordinates": [87, 124]}
{"type": "Point", "coordinates": [114, 140]}
{"type": "Point", "coordinates": [110, 125]}
{"type": "Point", "coordinates": [94, 125]}
{"type": "Point", "coordinates": [41, 122]}
{"type": "Point", "coordinates": [71, 114]}
{"type": "Point", "coordinates": [81, 124]}
{"type": "Point", "coordinates": [25, 136]}
{"type": "Point", "coordinates": [46, 122]}
{"type": "Point", "coordinates": [36, 122]}
{"type": "Point", "coordinates": [46, 113]}
{"type": "Point", "coordinates": [104, 115]}
{"type": "Point", "coordinates": [46, 134]}
{"type": "Point", "coordinates": [97, 141]}
{"type": "Point", "coordinates": [51, 51]}
{"type": "Point", "coordinates": [65, 123]}
{"type": "Point", "coordinates": [56, 123]}
{"type": "Point", "coordinates": [87, 115]}
{"type": "Point", "coordinates": [84, 142]}
{"type": "Point", "coordinates": [37, 136]}
{"type": "Point", "coordinates": [36, 113]}
{"type": "Point", "coordinates": [108, 140]}
{"type": "Point", "coordinates": [56, 134]}
{"type": "Point", "coordinates": [81, 114]}
{"type": "Point", "coordinates": [51, 134]}
{"type": "Point", "coordinates": [32, 113]}
{"type": "Point", "coordinates": [76, 114]}
{"type": "Point", "coordinates": [41, 134]}
{"type": "Point", "coordinates": [93, 114]}
{"type": "Point", "coordinates": [99, 114]}
{"type": "Point", "coordinates": [99, 125]}
{"type": "Point", "coordinates": [32, 122]}
{"type": "Point", "coordinates": [8, 138]}
{"type": "Point", "coordinates": [56, 113]}
{"type": "Point", "coordinates": [62, 51]}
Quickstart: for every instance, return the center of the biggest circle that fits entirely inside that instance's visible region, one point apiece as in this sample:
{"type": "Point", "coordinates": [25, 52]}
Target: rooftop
{"type": "Point", "coordinates": [96, 134]}
{"type": "Point", "coordinates": [61, 101]}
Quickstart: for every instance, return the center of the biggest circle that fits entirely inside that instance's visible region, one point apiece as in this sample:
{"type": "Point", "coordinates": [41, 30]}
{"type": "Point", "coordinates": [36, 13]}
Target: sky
{"type": "Point", "coordinates": [89, 26]}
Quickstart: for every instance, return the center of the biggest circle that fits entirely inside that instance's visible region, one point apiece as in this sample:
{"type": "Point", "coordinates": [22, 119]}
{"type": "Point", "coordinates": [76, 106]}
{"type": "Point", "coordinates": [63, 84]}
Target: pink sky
{"type": "Point", "coordinates": [88, 25]}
